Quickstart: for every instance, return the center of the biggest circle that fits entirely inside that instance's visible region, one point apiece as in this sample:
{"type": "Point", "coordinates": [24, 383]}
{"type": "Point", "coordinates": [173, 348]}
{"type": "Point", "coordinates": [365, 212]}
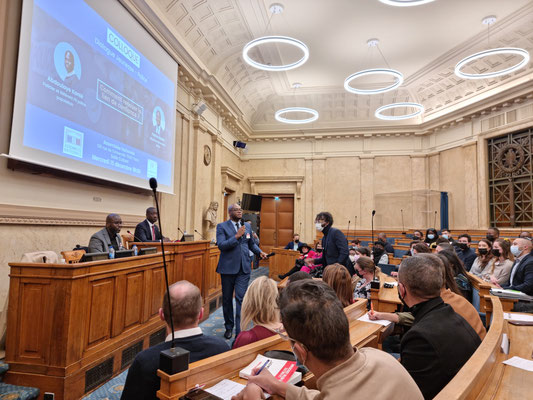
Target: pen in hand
{"type": "Point", "coordinates": [266, 364]}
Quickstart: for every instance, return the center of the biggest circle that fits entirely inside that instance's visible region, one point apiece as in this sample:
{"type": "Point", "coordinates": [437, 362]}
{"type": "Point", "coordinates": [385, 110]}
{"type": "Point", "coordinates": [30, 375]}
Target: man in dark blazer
{"type": "Point", "coordinates": [235, 241]}
{"type": "Point", "coordinates": [440, 341]}
{"type": "Point", "coordinates": [334, 244]}
{"type": "Point", "coordinates": [147, 231]}
{"type": "Point", "coordinates": [107, 237]}
{"type": "Point", "coordinates": [521, 277]}
{"type": "Point", "coordinates": [142, 381]}
{"type": "Point", "coordinates": [295, 244]}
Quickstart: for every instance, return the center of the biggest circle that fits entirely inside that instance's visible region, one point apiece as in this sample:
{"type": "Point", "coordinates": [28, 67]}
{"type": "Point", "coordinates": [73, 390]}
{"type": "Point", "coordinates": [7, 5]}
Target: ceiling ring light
{"type": "Point", "coordinates": [491, 52]}
{"type": "Point", "coordinates": [374, 71]}
{"type": "Point", "coordinates": [275, 39]}
{"type": "Point", "coordinates": [419, 110]}
{"type": "Point", "coordinates": [280, 118]}
{"type": "Point", "coordinates": [405, 3]}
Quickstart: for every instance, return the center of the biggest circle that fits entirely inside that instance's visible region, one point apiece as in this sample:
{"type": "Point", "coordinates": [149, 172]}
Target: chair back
{"type": "Point", "coordinates": [73, 256]}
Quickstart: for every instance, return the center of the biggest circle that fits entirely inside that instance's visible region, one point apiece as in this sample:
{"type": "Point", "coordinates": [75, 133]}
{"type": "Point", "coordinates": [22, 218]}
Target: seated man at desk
{"type": "Point", "coordinates": [107, 237]}
{"type": "Point", "coordinates": [440, 341]}
{"type": "Point", "coordinates": [142, 381]}
{"type": "Point", "coordinates": [319, 333]}
{"type": "Point", "coordinates": [295, 245]}
{"type": "Point", "coordinates": [147, 231]}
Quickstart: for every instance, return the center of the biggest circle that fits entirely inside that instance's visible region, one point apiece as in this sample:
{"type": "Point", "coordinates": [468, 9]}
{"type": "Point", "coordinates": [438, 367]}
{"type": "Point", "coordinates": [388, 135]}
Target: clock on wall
{"type": "Point", "coordinates": [207, 155]}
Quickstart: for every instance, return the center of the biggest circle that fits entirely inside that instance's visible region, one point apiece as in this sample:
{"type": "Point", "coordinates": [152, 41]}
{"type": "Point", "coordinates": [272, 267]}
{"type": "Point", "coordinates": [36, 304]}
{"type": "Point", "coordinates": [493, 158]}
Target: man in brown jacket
{"type": "Point", "coordinates": [318, 331]}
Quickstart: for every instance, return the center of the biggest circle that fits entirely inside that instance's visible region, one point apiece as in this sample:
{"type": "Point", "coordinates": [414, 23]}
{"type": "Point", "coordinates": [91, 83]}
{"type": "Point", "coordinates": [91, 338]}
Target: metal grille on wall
{"type": "Point", "coordinates": [511, 179]}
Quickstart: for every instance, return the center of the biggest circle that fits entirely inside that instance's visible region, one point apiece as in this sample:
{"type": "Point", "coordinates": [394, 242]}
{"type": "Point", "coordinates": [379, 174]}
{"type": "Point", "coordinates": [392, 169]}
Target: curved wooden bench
{"type": "Point", "coordinates": [474, 376]}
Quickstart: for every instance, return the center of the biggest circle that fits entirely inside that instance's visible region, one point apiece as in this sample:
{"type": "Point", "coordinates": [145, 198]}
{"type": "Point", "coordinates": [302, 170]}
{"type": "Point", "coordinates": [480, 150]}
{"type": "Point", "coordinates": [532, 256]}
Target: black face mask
{"type": "Point", "coordinates": [496, 252]}
{"type": "Point", "coordinates": [296, 240]}
{"type": "Point", "coordinates": [401, 298]}
{"type": "Point", "coordinates": [483, 252]}
{"type": "Point", "coordinates": [490, 237]}
{"type": "Point", "coordinates": [462, 246]}
{"type": "Point", "coordinates": [378, 253]}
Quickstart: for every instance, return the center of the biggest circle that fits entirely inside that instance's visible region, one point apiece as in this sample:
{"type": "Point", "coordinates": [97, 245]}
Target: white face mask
{"type": "Point", "coordinates": [445, 236]}
{"type": "Point", "coordinates": [352, 258]}
{"type": "Point", "coordinates": [431, 236]}
{"type": "Point", "coordinates": [515, 250]}
{"type": "Point", "coordinates": [319, 226]}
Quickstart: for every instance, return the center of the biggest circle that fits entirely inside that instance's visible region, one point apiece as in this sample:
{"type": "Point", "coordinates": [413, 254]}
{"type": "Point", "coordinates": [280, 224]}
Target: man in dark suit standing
{"type": "Point", "coordinates": [142, 381]}
{"type": "Point", "coordinates": [147, 231]}
{"type": "Point", "coordinates": [235, 241]}
{"type": "Point", "coordinates": [440, 341]}
{"type": "Point", "coordinates": [334, 244]}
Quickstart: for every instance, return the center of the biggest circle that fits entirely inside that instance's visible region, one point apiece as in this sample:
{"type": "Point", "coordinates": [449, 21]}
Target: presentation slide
{"type": "Point", "coordinates": [94, 103]}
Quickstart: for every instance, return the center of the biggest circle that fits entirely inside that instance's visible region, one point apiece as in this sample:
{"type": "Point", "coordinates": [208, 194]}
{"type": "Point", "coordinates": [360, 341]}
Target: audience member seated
{"type": "Point", "coordinates": [142, 381]}
{"type": "Point", "coordinates": [464, 252]}
{"type": "Point", "coordinates": [440, 341]}
{"type": "Point", "coordinates": [300, 265]}
{"type": "Point", "coordinates": [521, 278]}
{"type": "Point", "coordinates": [484, 258]}
{"type": "Point", "coordinates": [418, 235]}
{"type": "Point", "coordinates": [447, 234]}
{"type": "Point", "coordinates": [366, 270]}
{"type": "Point", "coordinates": [298, 276]}
{"type": "Point", "coordinates": [459, 273]}
{"type": "Point", "coordinates": [355, 243]}
{"type": "Point", "coordinates": [259, 306]}
{"type": "Point", "coordinates": [107, 237]}
{"type": "Point", "coordinates": [525, 235]}
{"type": "Point", "coordinates": [295, 245]}
{"type": "Point", "coordinates": [382, 237]}
{"type": "Point", "coordinates": [420, 248]}
{"type": "Point", "coordinates": [353, 255]}
{"type": "Point", "coordinates": [431, 237]}
{"type": "Point", "coordinates": [450, 294]}
{"type": "Point", "coordinates": [379, 255]}
{"type": "Point", "coordinates": [443, 244]}
{"type": "Point", "coordinates": [339, 279]}
{"type": "Point", "coordinates": [498, 269]}
{"type": "Point", "coordinates": [147, 231]}
{"type": "Point", "coordinates": [411, 245]}
{"type": "Point", "coordinates": [363, 251]}
{"type": "Point", "coordinates": [493, 234]}
{"type": "Point", "coordinates": [318, 331]}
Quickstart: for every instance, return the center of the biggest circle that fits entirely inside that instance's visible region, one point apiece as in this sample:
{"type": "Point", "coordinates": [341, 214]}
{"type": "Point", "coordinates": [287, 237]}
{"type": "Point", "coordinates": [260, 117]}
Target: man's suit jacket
{"type": "Point", "coordinates": [290, 246]}
{"type": "Point", "coordinates": [335, 250]}
{"type": "Point", "coordinates": [523, 277]}
{"type": "Point", "coordinates": [142, 381]}
{"type": "Point", "coordinates": [100, 242]}
{"type": "Point", "coordinates": [438, 344]}
{"type": "Point", "coordinates": [235, 252]}
{"type": "Point", "coordinates": [144, 233]}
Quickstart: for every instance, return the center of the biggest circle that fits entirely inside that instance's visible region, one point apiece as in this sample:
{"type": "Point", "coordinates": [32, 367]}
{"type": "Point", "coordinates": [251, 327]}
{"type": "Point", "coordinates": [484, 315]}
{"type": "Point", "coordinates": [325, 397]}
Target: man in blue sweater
{"type": "Point", "coordinates": [142, 381]}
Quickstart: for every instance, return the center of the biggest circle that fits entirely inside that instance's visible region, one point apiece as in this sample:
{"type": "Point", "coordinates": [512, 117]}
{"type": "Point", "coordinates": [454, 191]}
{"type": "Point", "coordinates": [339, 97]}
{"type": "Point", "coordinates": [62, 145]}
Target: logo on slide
{"type": "Point", "coordinates": [158, 119]}
{"type": "Point", "coordinates": [151, 169]}
{"type": "Point", "coordinates": [67, 62]}
{"type": "Point", "coordinates": [73, 142]}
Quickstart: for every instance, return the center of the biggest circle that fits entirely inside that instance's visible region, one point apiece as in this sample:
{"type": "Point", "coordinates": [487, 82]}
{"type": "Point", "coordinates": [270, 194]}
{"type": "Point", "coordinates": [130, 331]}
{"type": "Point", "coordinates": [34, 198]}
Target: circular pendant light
{"type": "Point", "coordinates": [280, 118]}
{"type": "Point", "coordinates": [275, 39]}
{"type": "Point", "coordinates": [482, 54]}
{"type": "Point", "coordinates": [374, 71]}
{"type": "Point", "coordinates": [379, 112]}
{"type": "Point", "coordinates": [405, 3]}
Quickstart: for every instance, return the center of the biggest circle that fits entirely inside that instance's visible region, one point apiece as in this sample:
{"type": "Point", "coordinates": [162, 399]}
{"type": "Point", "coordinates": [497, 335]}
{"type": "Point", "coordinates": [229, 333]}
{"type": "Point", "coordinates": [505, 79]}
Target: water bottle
{"type": "Point", "coordinates": [135, 250]}
{"type": "Point", "coordinates": [111, 253]}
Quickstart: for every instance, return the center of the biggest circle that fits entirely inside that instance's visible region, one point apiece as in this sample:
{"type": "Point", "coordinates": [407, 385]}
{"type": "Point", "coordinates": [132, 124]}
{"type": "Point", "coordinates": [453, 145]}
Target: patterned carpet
{"type": "Point", "coordinates": [212, 326]}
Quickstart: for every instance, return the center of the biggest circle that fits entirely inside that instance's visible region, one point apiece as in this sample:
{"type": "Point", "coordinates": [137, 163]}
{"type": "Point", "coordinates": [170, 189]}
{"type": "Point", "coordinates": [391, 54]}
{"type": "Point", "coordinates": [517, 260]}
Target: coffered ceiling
{"type": "Point", "coordinates": [424, 43]}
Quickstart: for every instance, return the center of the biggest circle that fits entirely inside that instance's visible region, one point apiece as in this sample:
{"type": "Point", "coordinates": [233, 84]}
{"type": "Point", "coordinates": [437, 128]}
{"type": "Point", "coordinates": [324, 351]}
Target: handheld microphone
{"type": "Point", "coordinates": [270, 255]}
{"type": "Point", "coordinates": [202, 236]}
{"type": "Point", "coordinates": [135, 237]}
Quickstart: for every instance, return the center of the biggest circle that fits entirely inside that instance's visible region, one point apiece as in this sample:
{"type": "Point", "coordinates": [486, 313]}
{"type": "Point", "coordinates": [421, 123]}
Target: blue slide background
{"type": "Point", "coordinates": [72, 117]}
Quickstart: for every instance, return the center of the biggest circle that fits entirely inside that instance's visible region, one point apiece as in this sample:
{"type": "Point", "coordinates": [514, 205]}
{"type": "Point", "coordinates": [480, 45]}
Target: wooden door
{"type": "Point", "coordinates": [277, 221]}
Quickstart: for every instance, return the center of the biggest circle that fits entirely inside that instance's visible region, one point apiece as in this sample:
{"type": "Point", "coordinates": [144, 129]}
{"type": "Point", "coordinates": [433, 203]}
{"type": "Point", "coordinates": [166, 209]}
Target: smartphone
{"type": "Point", "coordinates": [199, 394]}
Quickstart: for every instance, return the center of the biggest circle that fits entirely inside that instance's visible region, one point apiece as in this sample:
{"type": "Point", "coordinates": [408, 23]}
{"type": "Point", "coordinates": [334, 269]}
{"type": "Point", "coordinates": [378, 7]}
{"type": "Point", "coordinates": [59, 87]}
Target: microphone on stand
{"type": "Point", "coordinates": [182, 235]}
{"type": "Point", "coordinates": [348, 230]}
{"type": "Point", "coordinates": [355, 226]}
{"type": "Point", "coordinates": [373, 213]}
{"type": "Point", "coordinates": [202, 236]}
{"type": "Point", "coordinates": [403, 226]}
{"type": "Point", "coordinates": [135, 237]}
{"type": "Point", "coordinates": [435, 220]}
{"type": "Point", "coordinates": [175, 359]}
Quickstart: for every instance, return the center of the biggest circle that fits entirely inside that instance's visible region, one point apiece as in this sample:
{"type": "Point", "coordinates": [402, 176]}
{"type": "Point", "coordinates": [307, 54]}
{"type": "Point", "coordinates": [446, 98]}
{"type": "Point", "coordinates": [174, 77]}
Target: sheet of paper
{"type": "Point", "coordinates": [520, 362]}
{"type": "Point", "coordinates": [225, 389]}
{"type": "Point", "coordinates": [518, 317]}
{"type": "Point", "coordinates": [365, 318]}
{"type": "Point", "coordinates": [505, 343]}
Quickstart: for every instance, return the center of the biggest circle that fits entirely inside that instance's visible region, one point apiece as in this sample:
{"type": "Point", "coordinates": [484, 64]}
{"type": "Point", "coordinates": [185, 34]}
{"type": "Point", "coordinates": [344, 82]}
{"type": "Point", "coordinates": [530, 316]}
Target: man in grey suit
{"type": "Point", "coordinates": [107, 237]}
{"type": "Point", "coordinates": [235, 241]}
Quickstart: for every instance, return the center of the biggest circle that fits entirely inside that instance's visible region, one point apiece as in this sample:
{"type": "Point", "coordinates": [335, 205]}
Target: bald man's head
{"type": "Point", "coordinates": [186, 302]}
{"type": "Point", "coordinates": [113, 223]}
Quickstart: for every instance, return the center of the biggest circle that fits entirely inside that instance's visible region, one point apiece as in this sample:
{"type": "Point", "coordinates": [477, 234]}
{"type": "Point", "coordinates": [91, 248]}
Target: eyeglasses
{"type": "Point", "coordinates": [285, 336]}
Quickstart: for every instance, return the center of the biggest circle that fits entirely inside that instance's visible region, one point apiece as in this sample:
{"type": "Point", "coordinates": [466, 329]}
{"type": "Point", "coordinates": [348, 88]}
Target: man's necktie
{"type": "Point", "coordinates": [153, 232]}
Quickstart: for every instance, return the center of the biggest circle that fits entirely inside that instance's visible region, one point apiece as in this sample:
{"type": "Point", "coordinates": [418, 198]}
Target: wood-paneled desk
{"type": "Point", "coordinates": [197, 262]}
{"type": "Point", "coordinates": [282, 262]}
{"type": "Point", "coordinates": [227, 365]}
{"type": "Point", "coordinates": [385, 299]}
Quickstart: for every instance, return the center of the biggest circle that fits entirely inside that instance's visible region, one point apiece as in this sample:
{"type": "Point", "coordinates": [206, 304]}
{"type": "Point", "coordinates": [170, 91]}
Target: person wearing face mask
{"type": "Point", "coordinates": [447, 234]}
{"type": "Point", "coordinates": [334, 244]}
{"type": "Point", "coordinates": [318, 331]}
{"type": "Point", "coordinates": [306, 251]}
{"type": "Point", "coordinates": [431, 237]}
{"type": "Point", "coordinates": [295, 245]}
{"type": "Point", "coordinates": [464, 252]}
{"type": "Point", "coordinates": [484, 258]}
{"type": "Point", "coordinates": [378, 254]}
{"type": "Point", "coordinates": [365, 269]}
{"type": "Point", "coordinates": [353, 255]}
{"type": "Point", "coordinates": [418, 235]}
{"type": "Point", "coordinates": [521, 277]}
{"type": "Point", "coordinates": [493, 234]}
{"type": "Point", "coordinates": [499, 269]}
